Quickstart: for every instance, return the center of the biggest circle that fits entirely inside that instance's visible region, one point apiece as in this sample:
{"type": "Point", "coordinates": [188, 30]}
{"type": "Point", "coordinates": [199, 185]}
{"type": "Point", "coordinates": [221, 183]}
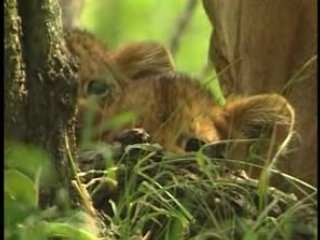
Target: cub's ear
{"type": "Point", "coordinates": [251, 116]}
{"type": "Point", "coordinates": [144, 59]}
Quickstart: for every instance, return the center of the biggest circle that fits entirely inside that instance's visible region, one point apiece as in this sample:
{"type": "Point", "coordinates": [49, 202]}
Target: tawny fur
{"type": "Point", "coordinates": [170, 106]}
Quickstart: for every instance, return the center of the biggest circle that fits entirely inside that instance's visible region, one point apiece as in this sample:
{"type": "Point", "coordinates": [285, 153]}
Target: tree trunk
{"type": "Point", "coordinates": [40, 81]}
{"type": "Point", "coordinates": [14, 81]}
{"type": "Point", "coordinates": [270, 46]}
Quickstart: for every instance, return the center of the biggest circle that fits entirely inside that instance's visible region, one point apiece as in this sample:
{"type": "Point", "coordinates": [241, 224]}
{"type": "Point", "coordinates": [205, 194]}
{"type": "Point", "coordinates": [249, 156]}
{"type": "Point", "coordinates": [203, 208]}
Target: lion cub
{"type": "Point", "coordinates": [174, 109]}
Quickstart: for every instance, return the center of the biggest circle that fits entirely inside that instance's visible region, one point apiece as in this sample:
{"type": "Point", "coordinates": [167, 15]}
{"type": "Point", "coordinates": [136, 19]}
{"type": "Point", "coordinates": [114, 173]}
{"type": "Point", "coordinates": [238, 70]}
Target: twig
{"type": "Point", "coordinates": [181, 25]}
{"type": "Point", "coordinates": [297, 77]}
{"type": "Point", "coordinates": [84, 195]}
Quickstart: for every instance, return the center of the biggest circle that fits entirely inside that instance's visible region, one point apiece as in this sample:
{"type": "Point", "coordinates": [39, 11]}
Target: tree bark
{"type": "Point", "coordinates": [270, 46]}
{"type": "Point", "coordinates": [14, 79]}
{"type": "Point", "coordinates": [40, 81]}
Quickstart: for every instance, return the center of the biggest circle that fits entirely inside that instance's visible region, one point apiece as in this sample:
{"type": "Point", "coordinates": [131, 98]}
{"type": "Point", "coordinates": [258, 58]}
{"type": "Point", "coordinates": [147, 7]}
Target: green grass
{"type": "Point", "coordinates": [188, 197]}
{"type": "Point", "coordinates": [148, 193]}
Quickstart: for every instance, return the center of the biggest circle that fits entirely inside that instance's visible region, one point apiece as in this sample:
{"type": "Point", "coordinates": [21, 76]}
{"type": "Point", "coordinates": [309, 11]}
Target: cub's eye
{"type": "Point", "coordinates": [98, 87]}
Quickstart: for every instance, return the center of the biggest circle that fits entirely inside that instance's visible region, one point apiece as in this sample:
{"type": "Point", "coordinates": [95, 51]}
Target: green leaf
{"type": "Point", "coordinates": [20, 187]}
{"type": "Point", "coordinates": [67, 231]}
{"type": "Point", "coordinates": [29, 160]}
{"type": "Point", "coordinates": [16, 213]}
{"type": "Point", "coordinates": [35, 230]}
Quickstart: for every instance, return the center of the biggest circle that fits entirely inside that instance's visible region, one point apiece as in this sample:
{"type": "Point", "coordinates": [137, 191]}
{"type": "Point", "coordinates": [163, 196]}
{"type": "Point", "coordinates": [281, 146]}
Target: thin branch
{"type": "Point", "coordinates": [181, 25]}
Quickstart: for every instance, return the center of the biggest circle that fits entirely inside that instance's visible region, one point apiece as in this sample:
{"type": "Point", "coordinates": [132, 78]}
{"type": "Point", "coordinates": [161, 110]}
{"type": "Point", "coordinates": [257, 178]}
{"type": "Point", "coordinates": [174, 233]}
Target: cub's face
{"type": "Point", "coordinates": [139, 82]}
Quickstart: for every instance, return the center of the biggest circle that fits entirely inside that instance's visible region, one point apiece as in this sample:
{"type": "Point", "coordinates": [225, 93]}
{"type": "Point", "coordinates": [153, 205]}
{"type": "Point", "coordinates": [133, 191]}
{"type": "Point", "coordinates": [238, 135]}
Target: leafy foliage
{"type": "Point", "coordinates": [27, 170]}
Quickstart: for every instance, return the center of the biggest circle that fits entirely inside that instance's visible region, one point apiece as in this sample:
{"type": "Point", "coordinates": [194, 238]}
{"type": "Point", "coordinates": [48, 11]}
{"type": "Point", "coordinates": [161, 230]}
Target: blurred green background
{"type": "Point", "coordinates": [117, 22]}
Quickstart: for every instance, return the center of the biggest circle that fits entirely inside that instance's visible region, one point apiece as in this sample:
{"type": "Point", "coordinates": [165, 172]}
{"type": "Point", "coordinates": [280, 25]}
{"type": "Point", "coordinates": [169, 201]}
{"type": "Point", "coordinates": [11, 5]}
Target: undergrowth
{"type": "Point", "coordinates": [140, 191]}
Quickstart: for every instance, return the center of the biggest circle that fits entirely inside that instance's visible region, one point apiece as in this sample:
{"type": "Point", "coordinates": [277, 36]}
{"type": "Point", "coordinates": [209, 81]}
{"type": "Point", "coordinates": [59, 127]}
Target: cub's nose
{"type": "Point", "coordinates": [193, 144]}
